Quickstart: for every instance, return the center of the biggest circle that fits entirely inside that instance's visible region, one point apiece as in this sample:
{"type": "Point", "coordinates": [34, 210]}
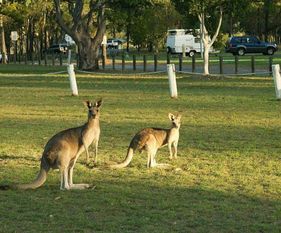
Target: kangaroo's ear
{"type": "Point", "coordinates": [99, 103]}
{"type": "Point", "coordinates": [171, 116]}
{"type": "Point", "coordinates": [88, 103]}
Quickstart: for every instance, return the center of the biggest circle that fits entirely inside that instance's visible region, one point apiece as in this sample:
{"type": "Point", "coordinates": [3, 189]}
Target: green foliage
{"type": "Point", "coordinates": [191, 9]}
{"type": "Point", "coordinates": [226, 179]}
{"type": "Point", "coordinates": [15, 11]}
{"type": "Point", "coordinates": [148, 33]}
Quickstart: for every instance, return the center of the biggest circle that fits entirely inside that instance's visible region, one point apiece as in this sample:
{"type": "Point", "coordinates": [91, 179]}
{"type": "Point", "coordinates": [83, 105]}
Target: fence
{"type": "Point", "coordinates": [218, 64]}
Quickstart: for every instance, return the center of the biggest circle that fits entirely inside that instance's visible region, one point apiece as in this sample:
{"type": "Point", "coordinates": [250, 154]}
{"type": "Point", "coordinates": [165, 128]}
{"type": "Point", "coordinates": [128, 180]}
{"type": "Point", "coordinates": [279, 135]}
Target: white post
{"type": "Point", "coordinates": [172, 80]}
{"type": "Point", "coordinates": [69, 56]}
{"type": "Point", "coordinates": [277, 80]}
{"type": "Point", "coordinates": [72, 79]}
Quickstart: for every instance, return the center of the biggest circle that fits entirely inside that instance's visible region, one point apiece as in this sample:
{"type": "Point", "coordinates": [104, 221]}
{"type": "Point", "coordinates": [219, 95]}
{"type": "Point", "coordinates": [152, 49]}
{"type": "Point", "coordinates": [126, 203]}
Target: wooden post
{"type": "Point", "coordinates": [77, 59]}
{"type": "Point", "coordinates": [168, 58]}
{"type": "Point", "coordinates": [270, 60]}
{"type": "Point", "coordinates": [253, 64]}
{"type": "Point", "coordinates": [236, 64]}
{"type": "Point", "coordinates": [45, 58]}
{"type": "Point", "coordinates": [193, 64]}
{"type": "Point", "coordinates": [103, 61]}
{"type": "Point", "coordinates": [60, 59]}
{"type": "Point", "coordinates": [123, 62]}
{"type": "Point", "coordinates": [113, 62]}
{"type": "Point", "coordinates": [144, 63]}
{"type": "Point", "coordinates": [221, 64]}
{"type": "Point", "coordinates": [32, 58]}
{"type": "Point", "coordinates": [15, 52]}
{"type": "Point", "coordinates": [53, 58]}
{"type": "Point", "coordinates": [104, 53]}
{"type": "Point", "coordinates": [180, 62]}
{"type": "Point", "coordinates": [39, 58]}
{"type": "Point", "coordinates": [134, 62]}
{"type": "Point", "coordinates": [155, 62]}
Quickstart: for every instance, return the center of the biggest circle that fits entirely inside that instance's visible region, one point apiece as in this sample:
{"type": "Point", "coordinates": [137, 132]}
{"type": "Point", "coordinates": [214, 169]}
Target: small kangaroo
{"type": "Point", "coordinates": [151, 139]}
{"type": "Point", "coordinates": [63, 149]}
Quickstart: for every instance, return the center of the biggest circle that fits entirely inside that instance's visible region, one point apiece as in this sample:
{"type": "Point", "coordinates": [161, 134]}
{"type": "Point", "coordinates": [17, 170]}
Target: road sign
{"type": "Point", "coordinates": [14, 35]}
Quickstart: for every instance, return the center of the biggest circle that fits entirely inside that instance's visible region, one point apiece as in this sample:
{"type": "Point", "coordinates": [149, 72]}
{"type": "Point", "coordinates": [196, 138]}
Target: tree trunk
{"type": "Point", "coordinates": [88, 55]}
{"type": "Point", "coordinates": [206, 59]}
{"type": "Point", "coordinates": [207, 42]}
{"type": "Point", "coordinates": [79, 29]}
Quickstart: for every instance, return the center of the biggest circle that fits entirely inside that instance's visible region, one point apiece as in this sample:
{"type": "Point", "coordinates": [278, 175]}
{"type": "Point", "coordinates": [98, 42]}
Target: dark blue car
{"type": "Point", "coordinates": [239, 45]}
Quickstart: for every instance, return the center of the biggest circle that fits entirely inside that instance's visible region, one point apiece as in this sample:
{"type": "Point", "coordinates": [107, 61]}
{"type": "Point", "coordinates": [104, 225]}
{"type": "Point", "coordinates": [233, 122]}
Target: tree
{"type": "Point", "coordinates": [86, 24]}
{"type": "Point", "coordinates": [150, 28]}
{"type": "Point", "coordinates": [235, 10]}
{"type": "Point", "coordinates": [208, 41]}
{"type": "Point", "coordinates": [128, 12]}
{"type": "Point", "coordinates": [34, 22]}
{"type": "Point", "coordinates": [208, 13]}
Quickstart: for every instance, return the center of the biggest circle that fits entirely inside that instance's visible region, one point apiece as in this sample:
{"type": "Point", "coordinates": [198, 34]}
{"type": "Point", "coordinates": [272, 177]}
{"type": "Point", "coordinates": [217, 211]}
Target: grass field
{"type": "Point", "coordinates": [227, 177]}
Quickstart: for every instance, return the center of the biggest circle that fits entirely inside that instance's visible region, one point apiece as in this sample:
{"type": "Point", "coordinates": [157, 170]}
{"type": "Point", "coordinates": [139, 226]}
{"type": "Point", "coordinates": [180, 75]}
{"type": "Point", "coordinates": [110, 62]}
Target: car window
{"type": "Point", "coordinates": [236, 40]}
{"type": "Point", "coordinates": [252, 40]}
{"type": "Point", "coordinates": [244, 40]}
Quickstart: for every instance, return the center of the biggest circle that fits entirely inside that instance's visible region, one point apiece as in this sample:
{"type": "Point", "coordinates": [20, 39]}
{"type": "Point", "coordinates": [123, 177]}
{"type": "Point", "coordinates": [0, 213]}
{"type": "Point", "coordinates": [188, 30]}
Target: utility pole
{"type": "Point", "coordinates": [3, 44]}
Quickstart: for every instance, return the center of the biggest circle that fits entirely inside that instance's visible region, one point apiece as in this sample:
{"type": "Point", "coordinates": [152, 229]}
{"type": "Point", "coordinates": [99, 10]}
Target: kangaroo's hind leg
{"type": "Point", "coordinates": [175, 144]}
{"type": "Point", "coordinates": [62, 163]}
{"type": "Point", "coordinates": [153, 162]}
{"type": "Point", "coordinates": [96, 151]}
{"type": "Point", "coordinates": [64, 178]}
{"type": "Point", "coordinates": [148, 164]}
{"type": "Point", "coordinates": [70, 175]}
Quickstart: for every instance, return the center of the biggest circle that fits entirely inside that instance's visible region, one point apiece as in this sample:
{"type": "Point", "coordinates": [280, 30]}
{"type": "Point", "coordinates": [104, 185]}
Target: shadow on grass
{"type": "Point", "coordinates": [18, 158]}
{"type": "Point", "coordinates": [137, 206]}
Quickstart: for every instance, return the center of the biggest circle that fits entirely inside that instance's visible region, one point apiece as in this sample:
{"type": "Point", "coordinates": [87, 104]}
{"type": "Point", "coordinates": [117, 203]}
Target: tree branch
{"type": "Point", "coordinates": [218, 28]}
{"type": "Point", "coordinates": [102, 24]}
{"type": "Point", "coordinates": [60, 19]}
{"type": "Point", "coordinates": [201, 18]}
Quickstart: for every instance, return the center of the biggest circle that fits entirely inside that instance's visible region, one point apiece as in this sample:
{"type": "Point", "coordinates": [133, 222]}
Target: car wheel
{"type": "Point", "coordinates": [191, 53]}
{"type": "Point", "coordinates": [241, 52]}
{"type": "Point", "coordinates": [270, 51]}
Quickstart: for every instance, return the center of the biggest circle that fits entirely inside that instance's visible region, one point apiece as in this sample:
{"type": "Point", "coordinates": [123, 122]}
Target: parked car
{"type": "Point", "coordinates": [239, 45]}
{"type": "Point", "coordinates": [57, 48]}
{"type": "Point", "coordinates": [182, 40]}
{"type": "Point", "coordinates": [114, 43]}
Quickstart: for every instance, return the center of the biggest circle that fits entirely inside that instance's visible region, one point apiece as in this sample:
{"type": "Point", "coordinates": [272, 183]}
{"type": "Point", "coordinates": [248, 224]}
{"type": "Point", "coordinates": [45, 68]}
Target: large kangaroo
{"type": "Point", "coordinates": [151, 139]}
{"type": "Point", "coordinates": [63, 149]}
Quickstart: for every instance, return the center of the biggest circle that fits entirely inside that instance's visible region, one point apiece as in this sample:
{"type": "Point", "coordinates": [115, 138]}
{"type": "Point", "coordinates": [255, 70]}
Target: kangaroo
{"type": "Point", "coordinates": [63, 149]}
{"type": "Point", "coordinates": [151, 139]}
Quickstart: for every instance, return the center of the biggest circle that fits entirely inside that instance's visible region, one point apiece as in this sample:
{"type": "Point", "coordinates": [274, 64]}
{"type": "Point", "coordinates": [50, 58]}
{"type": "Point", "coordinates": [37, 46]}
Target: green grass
{"type": "Point", "coordinates": [227, 177]}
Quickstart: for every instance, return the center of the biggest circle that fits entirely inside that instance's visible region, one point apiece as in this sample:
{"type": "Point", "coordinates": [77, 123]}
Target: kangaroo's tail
{"type": "Point", "coordinates": [39, 181]}
{"type": "Point", "coordinates": [127, 160]}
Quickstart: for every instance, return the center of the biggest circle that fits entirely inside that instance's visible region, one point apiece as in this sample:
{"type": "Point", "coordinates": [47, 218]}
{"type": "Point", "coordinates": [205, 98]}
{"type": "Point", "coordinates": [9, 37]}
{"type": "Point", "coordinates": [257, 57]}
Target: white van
{"type": "Point", "coordinates": [182, 40]}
